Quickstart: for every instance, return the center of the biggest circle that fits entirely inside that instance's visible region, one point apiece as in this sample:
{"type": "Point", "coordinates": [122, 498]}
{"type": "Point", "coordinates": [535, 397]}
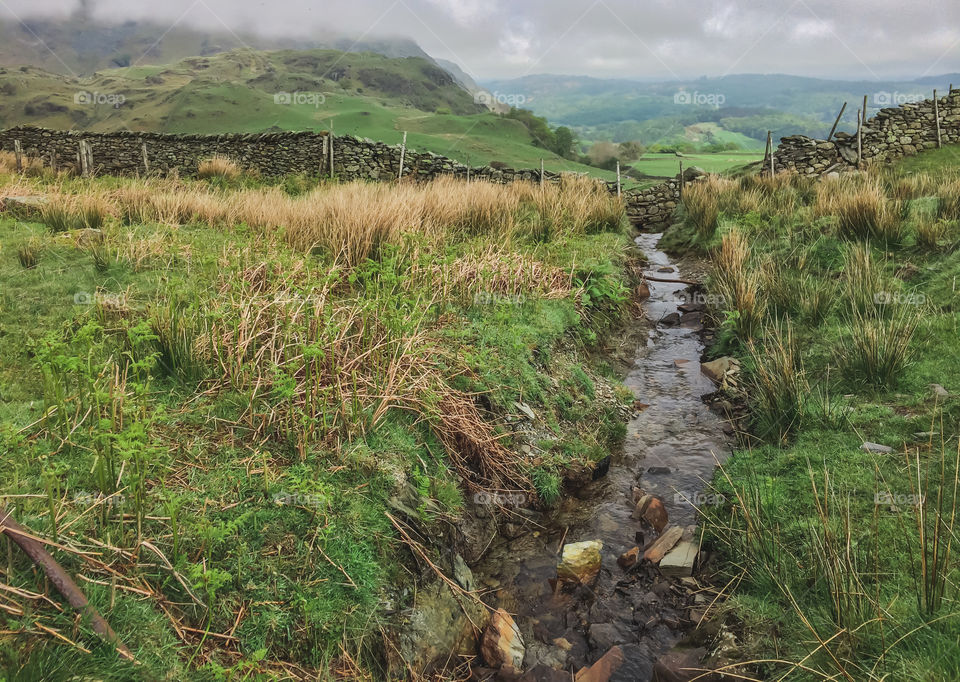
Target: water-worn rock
{"type": "Point", "coordinates": [629, 559]}
{"type": "Point", "coordinates": [604, 668]}
{"type": "Point", "coordinates": [651, 510]}
{"type": "Point", "coordinates": [680, 560]}
{"type": "Point", "coordinates": [602, 636]}
{"type": "Point", "coordinates": [717, 370]}
{"type": "Point", "coordinates": [437, 626]}
{"type": "Point", "coordinates": [663, 544]}
{"type": "Point", "coordinates": [501, 643]}
{"type": "Point", "coordinates": [580, 562]}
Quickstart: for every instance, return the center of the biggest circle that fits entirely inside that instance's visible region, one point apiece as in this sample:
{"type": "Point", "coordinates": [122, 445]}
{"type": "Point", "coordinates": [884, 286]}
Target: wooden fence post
{"type": "Point", "coordinates": [146, 158]}
{"type": "Point", "coordinates": [859, 137]}
{"type": "Point", "coordinates": [618, 180]}
{"type": "Point", "coordinates": [330, 146]}
{"type": "Point", "coordinates": [864, 110]}
{"type": "Point", "coordinates": [936, 116]}
{"type": "Point", "coordinates": [837, 122]}
{"type": "Point", "coordinates": [681, 181]}
{"type": "Point", "coordinates": [403, 154]}
{"type": "Point", "coordinates": [770, 147]}
{"type": "Point", "coordinates": [323, 155]}
{"type": "Point", "coordinates": [18, 152]}
{"type": "Point", "coordinates": [541, 172]}
{"type": "Point", "coordinates": [84, 163]}
{"type": "Point", "coordinates": [53, 160]}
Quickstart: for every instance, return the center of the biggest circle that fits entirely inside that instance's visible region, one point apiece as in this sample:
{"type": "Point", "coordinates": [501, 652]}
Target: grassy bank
{"type": "Point", "coordinates": [212, 392]}
{"type": "Point", "coordinates": [840, 298]}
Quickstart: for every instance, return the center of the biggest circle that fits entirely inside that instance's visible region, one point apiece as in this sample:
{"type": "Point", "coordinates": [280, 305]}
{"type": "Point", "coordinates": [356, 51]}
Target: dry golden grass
{"type": "Point", "coordinates": [949, 193]}
{"type": "Point", "coordinates": [702, 204]}
{"type": "Point", "coordinates": [861, 207]}
{"type": "Point", "coordinates": [218, 167]}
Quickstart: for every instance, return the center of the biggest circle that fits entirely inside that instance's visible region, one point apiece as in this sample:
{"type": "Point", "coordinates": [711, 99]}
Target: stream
{"type": "Point", "coordinates": [670, 452]}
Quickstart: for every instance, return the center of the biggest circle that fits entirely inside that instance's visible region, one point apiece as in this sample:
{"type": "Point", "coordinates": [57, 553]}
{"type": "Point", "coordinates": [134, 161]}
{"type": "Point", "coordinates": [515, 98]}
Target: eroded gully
{"type": "Point", "coordinates": [670, 451]}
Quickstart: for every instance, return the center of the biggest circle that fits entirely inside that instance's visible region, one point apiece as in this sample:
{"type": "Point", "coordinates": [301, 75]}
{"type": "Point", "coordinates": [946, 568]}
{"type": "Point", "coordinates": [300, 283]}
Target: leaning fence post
{"type": "Point", "coordinates": [403, 154]}
{"type": "Point", "coordinates": [18, 152]}
{"type": "Point", "coordinates": [837, 122]}
{"type": "Point", "coordinates": [936, 115]}
{"type": "Point", "coordinates": [859, 137]}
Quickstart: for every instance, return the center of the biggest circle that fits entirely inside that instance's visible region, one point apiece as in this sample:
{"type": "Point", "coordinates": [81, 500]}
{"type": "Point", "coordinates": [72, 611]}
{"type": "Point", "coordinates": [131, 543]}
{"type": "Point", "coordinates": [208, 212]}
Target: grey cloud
{"type": "Point", "coordinates": [610, 38]}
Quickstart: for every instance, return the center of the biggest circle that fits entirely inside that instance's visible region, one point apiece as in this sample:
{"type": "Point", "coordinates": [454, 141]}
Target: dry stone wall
{"type": "Point", "coordinates": [892, 134]}
{"type": "Point", "coordinates": [285, 153]}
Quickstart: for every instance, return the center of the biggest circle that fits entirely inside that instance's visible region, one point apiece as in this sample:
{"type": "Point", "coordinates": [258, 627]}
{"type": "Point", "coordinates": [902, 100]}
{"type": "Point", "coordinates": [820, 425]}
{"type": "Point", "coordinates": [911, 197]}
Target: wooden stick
{"type": "Point", "coordinates": [864, 110]}
{"type": "Point", "coordinates": [331, 136]}
{"type": "Point", "coordinates": [61, 580]}
{"type": "Point", "coordinates": [541, 172]}
{"type": "Point", "coordinates": [18, 152]}
{"type": "Point", "coordinates": [618, 180]}
{"type": "Point", "coordinates": [681, 180]}
{"type": "Point", "coordinates": [84, 169]}
{"type": "Point", "coordinates": [936, 116]}
{"type": "Point", "coordinates": [669, 281]}
{"type": "Point", "coordinates": [403, 154]}
{"type": "Point", "coordinates": [146, 159]}
{"type": "Point", "coordinates": [770, 145]}
{"type": "Point", "coordinates": [837, 122]}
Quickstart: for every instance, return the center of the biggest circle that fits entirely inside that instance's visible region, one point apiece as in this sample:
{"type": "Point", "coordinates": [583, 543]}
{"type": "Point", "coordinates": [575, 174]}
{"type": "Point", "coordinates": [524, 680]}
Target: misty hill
{"type": "Point", "coordinates": [744, 105]}
{"type": "Point", "coordinates": [362, 94]}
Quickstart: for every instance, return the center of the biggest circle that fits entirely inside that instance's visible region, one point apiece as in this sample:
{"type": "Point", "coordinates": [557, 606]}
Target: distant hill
{"type": "Point", "coordinates": [743, 105]}
{"type": "Point", "coordinates": [362, 94]}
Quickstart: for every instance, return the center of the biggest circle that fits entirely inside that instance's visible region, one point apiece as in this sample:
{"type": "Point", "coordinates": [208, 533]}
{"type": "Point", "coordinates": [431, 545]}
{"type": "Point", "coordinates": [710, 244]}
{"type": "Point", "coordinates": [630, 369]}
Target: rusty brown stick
{"type": "Point", "coordinates": [670, 281]}
{"type": "Point", "coordinates": [61, 580]}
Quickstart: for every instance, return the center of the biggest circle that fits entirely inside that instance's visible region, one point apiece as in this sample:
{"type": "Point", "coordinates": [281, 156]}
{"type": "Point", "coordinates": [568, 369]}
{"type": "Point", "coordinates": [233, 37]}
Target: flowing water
{"type": "Point", "coordinates": [670, 451]}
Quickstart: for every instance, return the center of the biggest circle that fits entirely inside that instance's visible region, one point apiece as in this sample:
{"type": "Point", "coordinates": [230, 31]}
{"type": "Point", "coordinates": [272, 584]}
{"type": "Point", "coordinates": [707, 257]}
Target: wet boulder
{"type": "Point", "coordinates": [580, 562]}
{"type": "Point", "coordinates": [502, 644]}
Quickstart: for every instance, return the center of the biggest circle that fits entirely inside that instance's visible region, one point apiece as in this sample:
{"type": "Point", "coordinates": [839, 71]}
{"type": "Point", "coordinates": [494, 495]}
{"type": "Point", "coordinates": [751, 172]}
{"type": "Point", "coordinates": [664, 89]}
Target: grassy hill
{"type": "Point", "coordinates": [362, 94]}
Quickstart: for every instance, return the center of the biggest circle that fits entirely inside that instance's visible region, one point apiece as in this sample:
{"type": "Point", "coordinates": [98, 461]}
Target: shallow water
{"type": "Point", "coordinates": [671, 449]}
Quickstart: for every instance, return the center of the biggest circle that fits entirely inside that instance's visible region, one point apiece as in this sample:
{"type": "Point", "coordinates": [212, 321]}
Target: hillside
{"type": "Point", "coordinates": [743, 107]}
{"type": "Point", "coordinates": [362, 94]}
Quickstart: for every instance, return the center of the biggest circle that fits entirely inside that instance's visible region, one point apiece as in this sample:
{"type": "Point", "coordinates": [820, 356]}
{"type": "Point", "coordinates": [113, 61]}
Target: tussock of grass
{"type": "Point", "coordinates": [218, 167]}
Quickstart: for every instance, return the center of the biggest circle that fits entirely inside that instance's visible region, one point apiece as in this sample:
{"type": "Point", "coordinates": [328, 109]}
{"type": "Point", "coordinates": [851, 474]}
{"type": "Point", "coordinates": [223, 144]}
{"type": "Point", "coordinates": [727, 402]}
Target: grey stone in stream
{"type": "Point", "coordinates": [637, 664]}
{"type": "Point", "coordinates": [681, 665]}
{"type": "Point", "coordinates": [876, 448]}
{"type": "Point", "coordinates": [603, 636]}
{"type": "Point", "coordinates": [671, 320]}
{"type": "Point", "coordinates": [658, 470]}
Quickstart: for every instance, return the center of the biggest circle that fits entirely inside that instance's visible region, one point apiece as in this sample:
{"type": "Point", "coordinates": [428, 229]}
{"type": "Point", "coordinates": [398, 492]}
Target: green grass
{"type": "Point", "coordinates": [286, 547]}
{"type": "Point", "coordinates": [807, 531]}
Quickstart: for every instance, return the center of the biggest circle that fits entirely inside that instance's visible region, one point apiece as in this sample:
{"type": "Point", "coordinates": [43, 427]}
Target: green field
{"type": "Point", "coordinates": [668, 165]}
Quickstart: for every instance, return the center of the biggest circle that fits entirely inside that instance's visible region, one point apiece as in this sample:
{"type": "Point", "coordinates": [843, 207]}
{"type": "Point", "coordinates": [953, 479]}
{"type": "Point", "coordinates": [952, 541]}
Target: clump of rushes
{"type": "Point", "coordinates": [779, 388]}
{"type": "Point", "coordinates": [703, 208]}
{"type": "Point", "coordinates": [949, 208]}
{"type": "Point", "coordinates": [218, 167]}
{"type": "Point", "coordinates": [862, 212]}
{"type": "Point", "coordinates": [863, 279]}
{"type": "Point", "coordinates": [739, 285]}
{"type": "Point", "coordinates": [29, 254]}
{"type": "Point", "coordinates": [876, 350]}
{"type": "Point", "coordinates": [931, 232]}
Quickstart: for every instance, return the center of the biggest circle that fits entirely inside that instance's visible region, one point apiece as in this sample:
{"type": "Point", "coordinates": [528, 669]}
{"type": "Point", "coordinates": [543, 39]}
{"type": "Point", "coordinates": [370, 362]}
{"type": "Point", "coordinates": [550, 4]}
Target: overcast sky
{"type": "Point", "coordinates": [662, 39]}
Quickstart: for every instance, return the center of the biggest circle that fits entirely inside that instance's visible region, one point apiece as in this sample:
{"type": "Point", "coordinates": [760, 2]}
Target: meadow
{"type": "Point", "coordinates": [838, 518]}
{"type": "Point", "coordinates": [213, 391]}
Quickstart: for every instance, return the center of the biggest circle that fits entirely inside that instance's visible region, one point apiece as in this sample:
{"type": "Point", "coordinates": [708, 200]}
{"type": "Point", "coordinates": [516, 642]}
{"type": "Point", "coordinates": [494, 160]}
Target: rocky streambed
{"type": "Point", "coordinates": [626, 547]}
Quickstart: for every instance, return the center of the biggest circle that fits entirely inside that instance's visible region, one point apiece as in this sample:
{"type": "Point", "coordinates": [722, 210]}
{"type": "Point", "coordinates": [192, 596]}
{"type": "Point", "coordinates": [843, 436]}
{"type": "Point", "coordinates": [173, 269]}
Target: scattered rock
{"type": "Point", "coordinates": [717, 370]}
{"type": "Point", "coordinates": [629, 558]}
{"type": "Point", "coordinates": [939, 391]}
{"type": "Point", "coordinates": [501, 644]}
{"type": "Point", "coordinates": [462, 574]}
{"type": "Point", "coordinates": [603, 669]}
{"type": "Point", "coordinates": [562, 643]}
{"type": "Point", "coordinates": [679, 561]}
{"type": "Point", "coordinates": [658, 470]}
{"type": "Point", "coordinates": [876, 448]}
{"type": "Point", "coordinates": [663, 544]}
{"type": "Point", "coordinates": [666, 268]}
{"type": "Point", "coordinates": [680, 362]}
{"type": "Point", "coordinates": [602, 636]}
{"type": "Point", "coordinates": [601, 469]}
{"type": "Point", "coordinates": [544, 673]}
{"type": "Point", "coordinates": [671, 320]}
{"type": "Point", "coordinates": [526, 410]}
{"type": "Point", "coordinates": [643, 291]}
{"type": "Point", "coordinates": [692, 307]}
{"type": "Point", "coordinates": [651, 510]}
{"type": "Point", "coordinates": [437, 626]}
{"type": "Point", "coordinates": [580, 562]}
{"type": "Point", "coordinates": [680, 665]}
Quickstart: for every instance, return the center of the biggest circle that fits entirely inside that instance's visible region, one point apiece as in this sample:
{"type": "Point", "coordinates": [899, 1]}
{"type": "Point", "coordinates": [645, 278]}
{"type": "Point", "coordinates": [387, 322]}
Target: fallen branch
{"type": "Point", "coordinates": [61, 580]}
{"type": "Point", "coordinates": [670, 281]}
